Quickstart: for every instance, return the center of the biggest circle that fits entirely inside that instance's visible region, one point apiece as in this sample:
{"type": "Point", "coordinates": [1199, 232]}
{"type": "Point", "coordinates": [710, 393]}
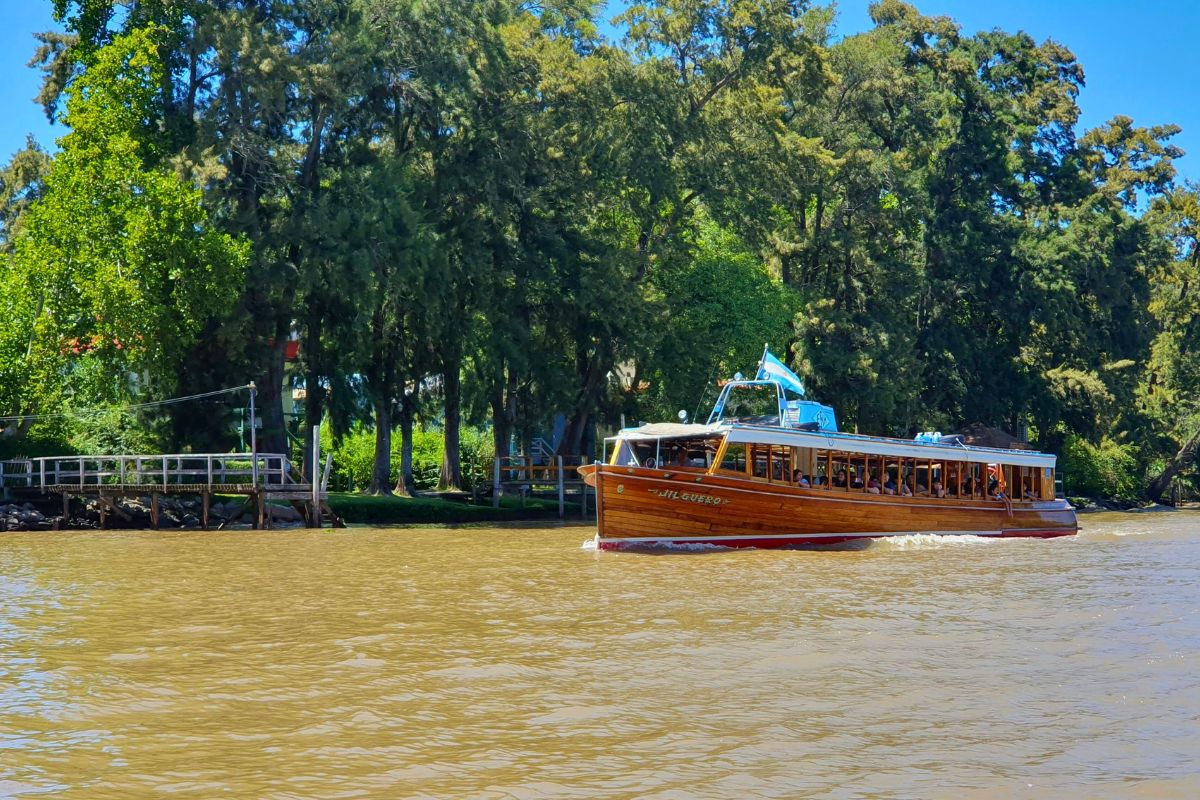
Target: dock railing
{"type": "Point", "coordinates": [198, 471]}
{"type": "Point", "coordinates": [522, 473]}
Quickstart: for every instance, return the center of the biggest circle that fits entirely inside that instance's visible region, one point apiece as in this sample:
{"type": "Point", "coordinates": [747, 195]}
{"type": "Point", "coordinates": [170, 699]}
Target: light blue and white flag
{"type": "Point", "coordinates": [772, 369]}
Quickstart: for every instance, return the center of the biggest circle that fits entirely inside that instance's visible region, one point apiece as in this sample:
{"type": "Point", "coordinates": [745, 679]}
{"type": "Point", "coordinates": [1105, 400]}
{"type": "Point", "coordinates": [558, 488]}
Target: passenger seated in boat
{"type": "Point", "coordinates": [873, 485]}
{"type": "Point", "coordinates": [969, 487]}
{"type": "Point", "coordinates": [906, 487]}
{"type": "Point", "coordinates": [889, 486]}
{"type": "Point", "coordinates": [800, 479]}
{"type": "Point", "coordinates": [994, 490]}
{"type": "Point", "coordinates": [1028, 493]}
{"type": "Point", "coordinates": [857, 482]}
{"type": "Point", "coordinates": [938, 491]}
{"type": "Point", "coordinates": [839, 479]}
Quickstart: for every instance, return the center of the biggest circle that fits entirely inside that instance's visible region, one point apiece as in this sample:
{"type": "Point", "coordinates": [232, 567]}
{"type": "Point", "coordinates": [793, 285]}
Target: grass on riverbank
{"type": "Point", "coordinates": [373, 510]}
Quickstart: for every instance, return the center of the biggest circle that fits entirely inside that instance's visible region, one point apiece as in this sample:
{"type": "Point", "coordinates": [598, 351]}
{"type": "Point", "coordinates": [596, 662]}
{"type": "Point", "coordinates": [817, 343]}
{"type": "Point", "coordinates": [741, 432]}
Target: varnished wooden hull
{"type": "Point", "coordinates": [640, 507]}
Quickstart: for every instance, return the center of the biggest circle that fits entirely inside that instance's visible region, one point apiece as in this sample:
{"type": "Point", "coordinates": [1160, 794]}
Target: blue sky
{"type": "Point", "coordinates": [1138, 58]}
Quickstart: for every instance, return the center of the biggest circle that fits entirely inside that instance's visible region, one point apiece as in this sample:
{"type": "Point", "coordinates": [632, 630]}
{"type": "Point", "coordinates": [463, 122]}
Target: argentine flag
{"type": "Point", "coordinates": [772, 369]}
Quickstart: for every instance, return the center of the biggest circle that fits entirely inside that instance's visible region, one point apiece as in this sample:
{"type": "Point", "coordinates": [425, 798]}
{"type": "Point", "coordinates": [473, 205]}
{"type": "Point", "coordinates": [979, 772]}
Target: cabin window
{"type": "Point", "coordinates": [819, 477]}
{"type": "Point", "coordinates": [781, 462]}
{"type": "Point", "coordinates": [909, 471]}
{"type": "Point", "coordinates": [637, 454]}
{"type": "Point", "coordinates": [891, 477]}
{"type": "Point", "coordinates": [839, 466]}
{"type": "Point", "coordinates": [734, 459]}
{"type": "Point", "coordinates": [695, 453]}
{"type": "Point", "coordinates": [759, 457]}
{"type": "Point", "coordinates": [801, 464]}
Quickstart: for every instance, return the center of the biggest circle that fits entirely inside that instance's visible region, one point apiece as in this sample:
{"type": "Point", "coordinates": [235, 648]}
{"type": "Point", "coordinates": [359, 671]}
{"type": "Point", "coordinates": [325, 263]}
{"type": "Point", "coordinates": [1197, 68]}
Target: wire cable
{"type": "Point", "coordinates": [124, 409]}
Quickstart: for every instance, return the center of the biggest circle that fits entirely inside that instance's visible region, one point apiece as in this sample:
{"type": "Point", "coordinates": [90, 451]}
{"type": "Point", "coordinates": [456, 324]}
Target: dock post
{"type": "Point", "coordinates": [66, 498]}
{"type": "Point", "coordinates": [561, 506]}
{"type": "Point", "coordinates": [496, 482]}
{"type": "Point", "coordinates": [103, 510]}
{"type": "Point", "coordinates": [205, 501]}
{"type": "Point", "coordinates": [154, 510]}
{"type": "Point", "coordinates": [315, 477]}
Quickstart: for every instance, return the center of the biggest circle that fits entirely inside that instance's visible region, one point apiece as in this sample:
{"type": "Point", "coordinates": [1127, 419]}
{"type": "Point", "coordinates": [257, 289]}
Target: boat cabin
{"type": "Point", "coordinates": [796, 444]}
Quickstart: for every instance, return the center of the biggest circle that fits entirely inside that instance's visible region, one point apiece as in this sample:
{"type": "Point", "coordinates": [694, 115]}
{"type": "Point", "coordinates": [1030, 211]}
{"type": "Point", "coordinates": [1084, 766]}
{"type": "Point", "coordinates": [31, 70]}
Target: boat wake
{"type": "Point", "coordinates": [925, 541]}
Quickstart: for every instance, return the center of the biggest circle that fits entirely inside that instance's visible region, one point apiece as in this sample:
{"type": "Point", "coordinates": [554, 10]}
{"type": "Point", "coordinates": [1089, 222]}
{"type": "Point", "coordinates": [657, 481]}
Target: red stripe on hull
{"type": "Point", "coordinates": [777, 542]}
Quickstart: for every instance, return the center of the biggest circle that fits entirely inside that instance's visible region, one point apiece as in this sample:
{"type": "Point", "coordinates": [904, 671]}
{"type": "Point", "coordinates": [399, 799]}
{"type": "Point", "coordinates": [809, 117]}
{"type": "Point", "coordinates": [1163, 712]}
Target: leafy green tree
{"type": "Point", "coordinates": [116, 267]}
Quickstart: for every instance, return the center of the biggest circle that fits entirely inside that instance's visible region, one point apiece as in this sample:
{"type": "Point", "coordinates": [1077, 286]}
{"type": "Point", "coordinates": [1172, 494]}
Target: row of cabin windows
{"type": "Point", "coordinates": [831, 470]}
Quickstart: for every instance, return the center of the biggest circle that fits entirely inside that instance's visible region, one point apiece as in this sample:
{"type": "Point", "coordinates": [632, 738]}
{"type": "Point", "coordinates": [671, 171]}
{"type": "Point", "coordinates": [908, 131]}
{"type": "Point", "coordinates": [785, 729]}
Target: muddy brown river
{"type": "Point", "coordinates": [517, 663]}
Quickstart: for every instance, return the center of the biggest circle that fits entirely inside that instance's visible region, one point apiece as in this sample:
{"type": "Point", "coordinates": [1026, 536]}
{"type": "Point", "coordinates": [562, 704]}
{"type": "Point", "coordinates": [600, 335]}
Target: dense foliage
{"type": "Point", "coordinates": [495, 212]}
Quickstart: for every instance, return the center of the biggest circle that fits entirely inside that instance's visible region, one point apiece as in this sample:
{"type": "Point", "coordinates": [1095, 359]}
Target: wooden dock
{"type": "Point", "coordinates": [262, 478]}
{"type": "Point", "coordinates": [523, 474]}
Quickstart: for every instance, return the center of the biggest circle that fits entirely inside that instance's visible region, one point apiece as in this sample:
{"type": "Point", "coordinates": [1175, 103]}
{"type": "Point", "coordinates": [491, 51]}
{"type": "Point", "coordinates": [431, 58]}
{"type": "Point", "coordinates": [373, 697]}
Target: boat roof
{"type": "Point", "coordinates": [740, 433]}
{"type": "Point", "coordinates": [671, 430]}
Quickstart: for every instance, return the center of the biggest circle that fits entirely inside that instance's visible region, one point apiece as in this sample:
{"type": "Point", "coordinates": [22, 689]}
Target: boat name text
{"type": "Point", "coordinates": [688, 497]}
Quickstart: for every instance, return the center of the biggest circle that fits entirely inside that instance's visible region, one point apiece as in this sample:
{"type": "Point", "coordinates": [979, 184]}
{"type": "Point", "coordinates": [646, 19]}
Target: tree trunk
{"type": "Point", "coordinates": [450, 477]}
{"type": "Point", "coordinates": [273, 438]}
{"type": "Point", "coordinates": [572, 441]}
{"type": "Point", "coordinates": [1185, 456]}
{"type": "Point", "coordinates": [591, 370]}
{"type": "Point", "coordinates": [504, 414]}
{"type": "Point", "coordinates": [405, 486]}
{"type": "Point", "coordinates": [381, 474]}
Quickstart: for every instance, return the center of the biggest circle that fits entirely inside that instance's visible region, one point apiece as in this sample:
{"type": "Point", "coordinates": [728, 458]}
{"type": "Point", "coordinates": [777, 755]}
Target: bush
{"type": "Point", "coordinates": [477, 451]}
{"type": "Point", "coordinates": [427, 457]}
{"type": "Point", "coordinates": [354, 457]}
{"type": "Point", "coordinates": [364, 509]}
{"type": "Point", "coordinates": [1107, 470]}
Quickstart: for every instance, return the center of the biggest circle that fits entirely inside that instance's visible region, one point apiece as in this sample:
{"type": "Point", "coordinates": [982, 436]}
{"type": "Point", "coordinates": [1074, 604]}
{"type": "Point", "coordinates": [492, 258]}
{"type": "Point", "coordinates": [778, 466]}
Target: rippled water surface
{"type": "Point", "coordinates": [514, 663]}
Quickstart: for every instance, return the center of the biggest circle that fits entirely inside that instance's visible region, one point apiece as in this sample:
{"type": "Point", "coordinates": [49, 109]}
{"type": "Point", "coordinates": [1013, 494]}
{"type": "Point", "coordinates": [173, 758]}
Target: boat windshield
{"type": "Point", "coordinates": [752, 404]}
{"type": "Point", "coordinates": [675, 453]}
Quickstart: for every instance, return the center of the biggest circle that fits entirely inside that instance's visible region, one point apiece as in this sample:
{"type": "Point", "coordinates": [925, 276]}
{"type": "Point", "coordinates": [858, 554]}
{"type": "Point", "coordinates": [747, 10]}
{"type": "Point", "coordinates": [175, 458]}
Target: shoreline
{"type": "Point", "coordinates": [44, 513]}
{"type": "Point", "coordinates": [365, 512]}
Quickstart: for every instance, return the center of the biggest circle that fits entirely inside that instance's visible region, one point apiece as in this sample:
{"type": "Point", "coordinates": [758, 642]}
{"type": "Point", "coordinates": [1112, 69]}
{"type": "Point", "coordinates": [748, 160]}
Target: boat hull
{"type": "Point", "coordinates": [643, 508]}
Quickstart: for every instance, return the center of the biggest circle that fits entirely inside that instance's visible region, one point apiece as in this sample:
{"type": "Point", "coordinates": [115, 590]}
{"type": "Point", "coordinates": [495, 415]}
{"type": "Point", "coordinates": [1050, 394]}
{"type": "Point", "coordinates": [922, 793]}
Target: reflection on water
{"type": "Point", "coordinates": [513, 663]}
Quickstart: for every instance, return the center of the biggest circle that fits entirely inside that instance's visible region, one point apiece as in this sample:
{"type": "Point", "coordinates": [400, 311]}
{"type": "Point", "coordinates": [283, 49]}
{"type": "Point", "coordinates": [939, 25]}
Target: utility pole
{"type": "Point", "coordinates": [253, 437]}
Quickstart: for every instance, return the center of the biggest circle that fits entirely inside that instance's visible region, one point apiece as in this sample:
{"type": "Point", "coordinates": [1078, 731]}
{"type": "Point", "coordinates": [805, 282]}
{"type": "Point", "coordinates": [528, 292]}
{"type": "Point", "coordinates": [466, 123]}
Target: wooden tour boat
{"type": "Point", "coordinates": [788, 478]}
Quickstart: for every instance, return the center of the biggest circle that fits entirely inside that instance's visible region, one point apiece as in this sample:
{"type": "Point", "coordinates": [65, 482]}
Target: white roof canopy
{"type": "Point", "coordinates": [899, 448]}
{"type": "Point", "coordinates": [671, 430]}
{"type": "Point", "coordinates": [841, 442]}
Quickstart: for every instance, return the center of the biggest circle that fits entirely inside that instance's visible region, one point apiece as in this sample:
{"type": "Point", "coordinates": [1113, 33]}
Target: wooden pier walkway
{"type": "Point", "coordinates": [523, 474]}
{"type": "Point", "coordinates": [262, 478]}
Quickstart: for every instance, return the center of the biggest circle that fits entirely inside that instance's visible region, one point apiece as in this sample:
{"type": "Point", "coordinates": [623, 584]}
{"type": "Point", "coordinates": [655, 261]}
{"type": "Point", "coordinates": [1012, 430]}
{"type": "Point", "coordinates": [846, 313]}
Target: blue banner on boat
{"type": "Point", "coordinates": [772, 369]}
